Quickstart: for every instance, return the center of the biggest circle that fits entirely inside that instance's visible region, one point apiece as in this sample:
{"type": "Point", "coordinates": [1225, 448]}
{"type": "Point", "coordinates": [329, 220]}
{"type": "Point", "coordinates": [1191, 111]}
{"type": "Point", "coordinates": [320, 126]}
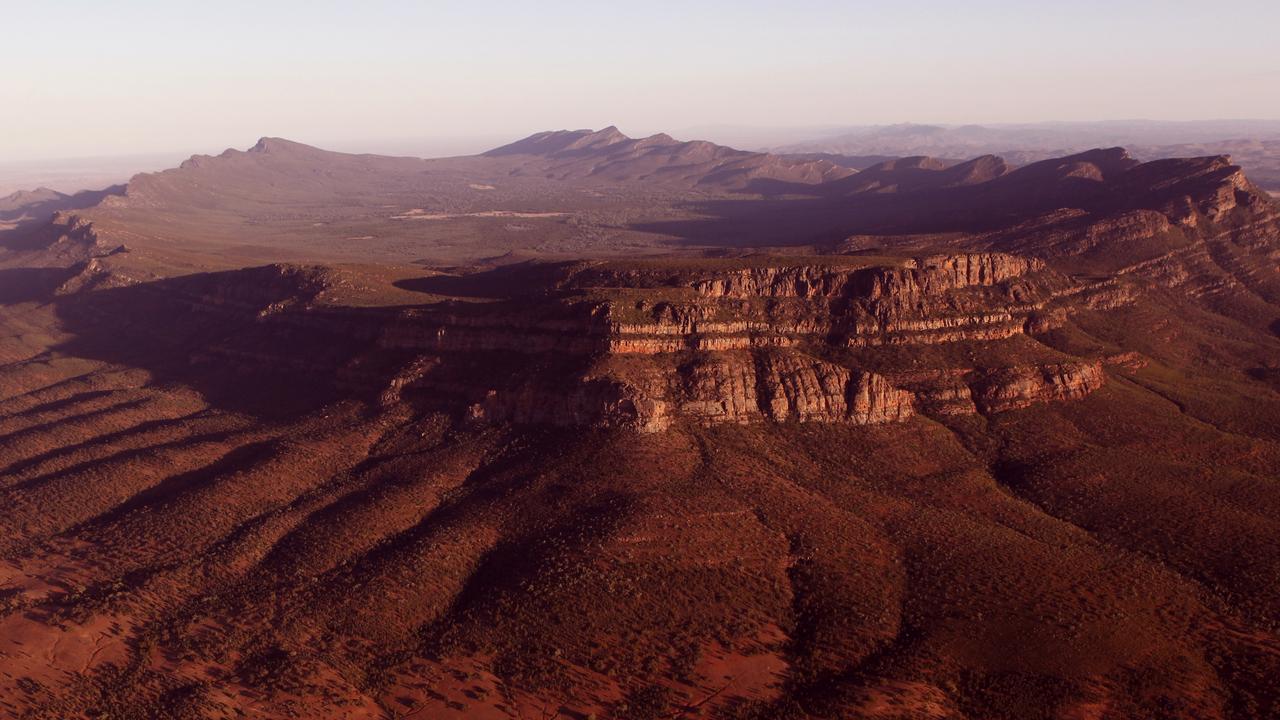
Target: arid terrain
{"type": "Point", "coordinates": [589, 426]}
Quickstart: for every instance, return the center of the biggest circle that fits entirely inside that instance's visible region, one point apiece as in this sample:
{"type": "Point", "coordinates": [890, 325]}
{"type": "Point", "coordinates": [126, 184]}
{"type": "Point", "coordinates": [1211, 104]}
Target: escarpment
{"type": "Point", "coordinates": [595, 345]}
{"type": "Point", "coordinates": [913, 277]}
{"type": "Point", "coordinates": [930, 299]}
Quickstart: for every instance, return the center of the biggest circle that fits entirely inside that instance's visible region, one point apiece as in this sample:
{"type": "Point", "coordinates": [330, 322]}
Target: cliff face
{"type": "Point", "coordinates": [712, 388]}
{"type": "Point", "coordinates": [914, 278]}
{"type": "Point", "coordinates": [970, 391]}
{"type": "Point", "coordinates": [782, 386]}
{"type": "Point", "coordinates": [931, 299]}
{"type": "Point", "coordinates": [742, 344]}
{"type": "Point", "coordinates": [1020, 387]}
{"type": "Point", "coordinates": [639, 349]}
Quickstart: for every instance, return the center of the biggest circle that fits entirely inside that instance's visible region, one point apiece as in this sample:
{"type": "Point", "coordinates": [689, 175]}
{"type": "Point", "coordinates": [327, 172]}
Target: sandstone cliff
{"type": "Point", "coordinates": [632, 348]}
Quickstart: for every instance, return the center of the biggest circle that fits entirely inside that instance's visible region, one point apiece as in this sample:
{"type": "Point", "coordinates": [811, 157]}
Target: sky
{"type": "Point", "coordinates": [92, 78]}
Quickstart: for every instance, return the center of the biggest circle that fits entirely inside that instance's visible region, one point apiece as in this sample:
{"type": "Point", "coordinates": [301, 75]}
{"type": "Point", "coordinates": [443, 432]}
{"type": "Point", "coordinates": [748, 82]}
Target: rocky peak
{"type": "Point", "coordinates": [275, 145]}
{"type": "Point", "coordinates": [915, 162]}
{"type": "Point", "coordinates": [559, 142]}
{"type": "Point", "coordinates": [978, 170]}
{"type": "Point", "coordinates": [1095, 165]}
{"type": "Point", "coordinates": [24, 200]}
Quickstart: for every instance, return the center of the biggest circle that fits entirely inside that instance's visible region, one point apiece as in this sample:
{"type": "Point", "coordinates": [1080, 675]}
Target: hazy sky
{"type": "Point", "coordinates": [88, 77]}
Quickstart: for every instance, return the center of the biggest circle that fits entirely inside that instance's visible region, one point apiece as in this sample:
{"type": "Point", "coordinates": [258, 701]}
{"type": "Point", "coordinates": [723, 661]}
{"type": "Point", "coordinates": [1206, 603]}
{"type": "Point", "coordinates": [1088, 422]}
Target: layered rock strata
{"type": "Point", "coordinates": [601, 347]}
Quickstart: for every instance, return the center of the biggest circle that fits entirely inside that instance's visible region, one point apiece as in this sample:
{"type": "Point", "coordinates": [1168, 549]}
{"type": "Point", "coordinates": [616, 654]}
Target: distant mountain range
{"type": "Point", "coordinates": [551, 190]}
{"type": "Point", "coordinates": [560, 193]}
{"type": "Point", "coordinates": [609, 155]}
{"type": "Point", "coordinates": [1254, 144]}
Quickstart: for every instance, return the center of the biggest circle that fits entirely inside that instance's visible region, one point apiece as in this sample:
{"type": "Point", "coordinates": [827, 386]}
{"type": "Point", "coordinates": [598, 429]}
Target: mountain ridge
{"type": "Point", "coordinates": [1257, 144]}
{"type": "Point", "coordinates": [609, 154]}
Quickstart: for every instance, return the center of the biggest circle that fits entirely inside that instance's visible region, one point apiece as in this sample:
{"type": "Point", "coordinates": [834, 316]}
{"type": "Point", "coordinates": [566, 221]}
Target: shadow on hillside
{"type": "Point", "coordinates": [28, 221]}
{"type": "Point", "coordinates": [204, 331]}
{"type": "Point", "coordinates": [819, 221]}
{"type": "Point", "coordinates": [876, 181]}
{"type": "Point", "coordinates": [249, 341]}
{"type": "Point", "coordinates": [907, 204]}
{"type": "Point", "coordinates": [524, 279]}
{"type": "Point", "coordinates": [23, 285]}
{"type": "Point", "coordinates": [779, 189]}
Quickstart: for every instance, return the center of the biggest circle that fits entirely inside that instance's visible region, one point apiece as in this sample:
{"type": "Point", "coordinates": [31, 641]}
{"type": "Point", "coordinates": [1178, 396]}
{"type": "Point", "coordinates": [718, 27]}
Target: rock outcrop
{"type": "Point", "coordinates": [794, 388]}
{"type": "Point", "coordinates": [1020, 387]}
{"type": "Point", "coordinates": [785, 386]}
